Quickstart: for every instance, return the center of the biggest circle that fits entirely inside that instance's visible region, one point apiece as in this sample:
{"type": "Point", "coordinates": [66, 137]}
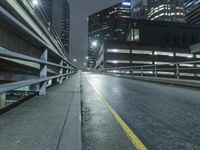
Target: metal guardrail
{"type": "Point", "coordinates": [176, 70]}
{"type": "Point", "coordinates": [40, 12]}
{"type": "Point", "coordinates": [62, 67]}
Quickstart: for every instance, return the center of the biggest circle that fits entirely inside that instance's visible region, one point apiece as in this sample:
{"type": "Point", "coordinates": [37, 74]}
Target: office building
{"type": "Point", "coordinates": [58, 12]}
{"type": "Point", "coordinates": [108, 24]}
{"type": "Point", "coordinates": [192, 11]}
{"type": "Point", "coordinates": [166, 10]}
{"type": "Point", "coordinates": [150, 42]}
{"type": "Point", "coordinates": [139, 9]}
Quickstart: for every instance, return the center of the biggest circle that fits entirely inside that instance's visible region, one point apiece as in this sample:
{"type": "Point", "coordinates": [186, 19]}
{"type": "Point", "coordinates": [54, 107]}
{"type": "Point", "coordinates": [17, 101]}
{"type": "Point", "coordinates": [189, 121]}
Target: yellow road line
{"type": "Point", "coordinates": [131, 135]}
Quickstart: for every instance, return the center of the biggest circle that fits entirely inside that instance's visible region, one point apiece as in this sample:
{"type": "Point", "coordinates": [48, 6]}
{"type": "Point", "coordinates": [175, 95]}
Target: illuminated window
{"type": "Point", "coordinates": [118, 51]}
{"type": "Point", "coordinates": [136, 35]}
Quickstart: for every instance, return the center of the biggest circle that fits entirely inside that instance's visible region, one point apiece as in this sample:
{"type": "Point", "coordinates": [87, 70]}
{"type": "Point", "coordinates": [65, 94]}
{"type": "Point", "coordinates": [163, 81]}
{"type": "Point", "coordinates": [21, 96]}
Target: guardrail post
{"type": "Point", "coordinates": [2, 100]}
{"type": "Point", "coordinates": [155, 71]}
{"type": "Point", "coordinates": [142, 71]}
{"type": "Point", "coordinates": [67, 71]}
{"type": "Point", "coordinates": [61, 72]}
{"type": "Point", "coordinates": [43, 73]}
{"type": "Point", "coordinates": [177, 71]}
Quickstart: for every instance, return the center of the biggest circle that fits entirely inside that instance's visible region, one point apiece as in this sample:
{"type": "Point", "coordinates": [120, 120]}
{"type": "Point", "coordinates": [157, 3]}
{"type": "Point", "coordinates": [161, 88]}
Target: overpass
{"type": "Point", "coordinates": [47, 104]}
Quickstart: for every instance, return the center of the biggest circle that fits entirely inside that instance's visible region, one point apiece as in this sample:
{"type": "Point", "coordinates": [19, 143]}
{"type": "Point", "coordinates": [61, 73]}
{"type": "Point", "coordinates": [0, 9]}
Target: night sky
{"type": "Point", "coordinates": [80, 10]}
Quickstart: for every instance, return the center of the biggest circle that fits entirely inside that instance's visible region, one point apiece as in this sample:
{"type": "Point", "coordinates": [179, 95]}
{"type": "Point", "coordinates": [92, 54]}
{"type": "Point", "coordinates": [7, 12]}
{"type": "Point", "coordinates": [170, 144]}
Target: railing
{"type": "Point", "coordinates": [40, 12]}
{"type": "Point", "coordinates": [179, 70]}
{"type": "Point", "coordinates": [52, 63]}
{"type": "Point", "coordinates": [65, 70]}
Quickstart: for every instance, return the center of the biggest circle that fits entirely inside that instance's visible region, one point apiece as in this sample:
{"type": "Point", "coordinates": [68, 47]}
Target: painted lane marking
{"type": "Point", "coordinates": [131, 135]}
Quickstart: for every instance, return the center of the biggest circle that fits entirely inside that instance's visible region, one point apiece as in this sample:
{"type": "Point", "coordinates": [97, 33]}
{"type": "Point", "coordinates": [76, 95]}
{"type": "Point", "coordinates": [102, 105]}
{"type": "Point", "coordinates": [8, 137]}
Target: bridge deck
{"type": "Point", "coordinates": [50, 122]}
{"type": "Point", "coordinates": [164, 117]}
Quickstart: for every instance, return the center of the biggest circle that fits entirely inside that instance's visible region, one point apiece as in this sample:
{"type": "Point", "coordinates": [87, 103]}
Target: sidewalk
{"type": "Point", "coordinates": [51, 122]}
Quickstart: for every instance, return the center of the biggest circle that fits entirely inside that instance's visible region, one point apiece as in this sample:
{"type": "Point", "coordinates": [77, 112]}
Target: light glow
{"type": "Point", "coordinates": [190, 56]}
{"type": "Point", "coordinates": [94, 44]}
{"type": "Point", "coordinates": [115, 50]}
{"type": "Point", "coordinates": [126, 3]}
{"type": "Point", "coordinates": [115, 62]}
{"type": "Point", "coordinates": [35, 2]}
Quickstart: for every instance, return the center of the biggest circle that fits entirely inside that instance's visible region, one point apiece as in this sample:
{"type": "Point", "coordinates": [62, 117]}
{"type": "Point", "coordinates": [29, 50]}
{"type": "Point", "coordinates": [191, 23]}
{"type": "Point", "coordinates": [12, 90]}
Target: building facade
{"type": "Point", "coordinates": [139, 9]}
{"type": "Point", "coordinates": [166, 10]}
{"type": "Point", "coordinates": [58, 12]}
{"type": "Point", "coordinates": [108, 24]}
{"type": "Point", "coordinates": [150, 42]}
{"type": "Point", "coordinates": [192, 11]}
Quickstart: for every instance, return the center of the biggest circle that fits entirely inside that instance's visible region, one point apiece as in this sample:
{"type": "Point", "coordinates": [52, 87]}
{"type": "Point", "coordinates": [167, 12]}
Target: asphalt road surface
{"type": "Point", "coordinates": [164, 117]}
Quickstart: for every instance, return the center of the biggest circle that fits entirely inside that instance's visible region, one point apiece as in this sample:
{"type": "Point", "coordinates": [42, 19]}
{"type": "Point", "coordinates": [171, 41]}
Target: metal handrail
{"type": "Point", "coordinates": [145, 66]}
{"type": "Point", "coordinates": [156, 69]}
{"type": "Point", "coordinates": [69, 70]}
{"type": "Point", "coordinates": [63, 68]}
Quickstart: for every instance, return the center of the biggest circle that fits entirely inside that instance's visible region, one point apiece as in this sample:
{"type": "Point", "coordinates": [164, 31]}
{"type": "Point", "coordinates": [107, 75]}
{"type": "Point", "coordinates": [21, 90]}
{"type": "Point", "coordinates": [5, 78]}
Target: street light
{"type": "Point", "coordinates": [84, 64]}
{"type": "Point", "coordinates": [94, 43]}
{"type": "Point", "coordinates": [75, 60]}
{"type": "Point", "coordinates": [35, 2]}
{"type": "Point", "coordinates": [86, 57]}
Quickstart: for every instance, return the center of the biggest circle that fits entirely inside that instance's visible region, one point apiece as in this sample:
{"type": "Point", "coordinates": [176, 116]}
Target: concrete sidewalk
{"type": "Point", "coordinates": [51, 122]}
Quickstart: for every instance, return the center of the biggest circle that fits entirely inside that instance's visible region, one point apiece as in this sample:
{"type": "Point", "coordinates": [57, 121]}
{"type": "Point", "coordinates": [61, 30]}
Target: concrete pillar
{"type": "Point", "coordinates": [2, 100]}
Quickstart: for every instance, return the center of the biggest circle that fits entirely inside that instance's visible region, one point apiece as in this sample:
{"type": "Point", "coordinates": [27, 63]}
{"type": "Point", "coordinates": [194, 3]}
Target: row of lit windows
{"type": "Point", "coordinates": [167, 14]}
{"type": "Point", "coordinates": [160, 7]}
{"type": "Point", "coordinates": [165, 7]}
{"type": "Point", "coordinates": [148, 52]}
{"type": "Point", "coordinates": [122, 11]}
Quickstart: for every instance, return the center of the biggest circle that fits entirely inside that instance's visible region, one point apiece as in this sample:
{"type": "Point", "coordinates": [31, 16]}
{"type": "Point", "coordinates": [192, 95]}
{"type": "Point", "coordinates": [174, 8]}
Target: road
{"type": "Point", "coordinates": [164, 117]}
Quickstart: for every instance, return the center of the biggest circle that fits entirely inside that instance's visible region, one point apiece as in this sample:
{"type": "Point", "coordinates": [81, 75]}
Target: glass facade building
{"type": "Point", "coordinates": [192, 11]}
{"type": "Point", "coordinates": [108, 24]}
{"type": "Point", "coordinates": [166, 10]}
{"type": "Point", "coordinates": [139, 9]}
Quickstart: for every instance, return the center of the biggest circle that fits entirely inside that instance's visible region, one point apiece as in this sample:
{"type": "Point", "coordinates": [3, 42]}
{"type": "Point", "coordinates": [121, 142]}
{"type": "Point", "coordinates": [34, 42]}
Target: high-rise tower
{"type": "Point", "coordinates": [166, 10]}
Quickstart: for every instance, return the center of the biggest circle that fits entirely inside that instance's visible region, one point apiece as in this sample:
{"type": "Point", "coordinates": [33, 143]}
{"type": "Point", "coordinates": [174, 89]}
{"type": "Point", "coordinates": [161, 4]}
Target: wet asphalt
{"type": "Point", "coordinates": [100, 131]}
{"type": "Point", "coordinates": [164, 117]}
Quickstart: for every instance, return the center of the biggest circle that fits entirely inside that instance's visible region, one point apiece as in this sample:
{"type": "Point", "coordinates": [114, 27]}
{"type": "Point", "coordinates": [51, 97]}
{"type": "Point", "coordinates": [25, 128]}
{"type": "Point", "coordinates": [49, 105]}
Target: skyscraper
{"type": "Point", "coordinates": [192, 11]}
{"type": "Point", "coordinates": [139, 9]}
{"type": "Point", "coordinates": [108, 24]}
{"type": "Point", "coordinates": [58, 12]}
{"type": "Point", "coordinates": [166, 10]}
